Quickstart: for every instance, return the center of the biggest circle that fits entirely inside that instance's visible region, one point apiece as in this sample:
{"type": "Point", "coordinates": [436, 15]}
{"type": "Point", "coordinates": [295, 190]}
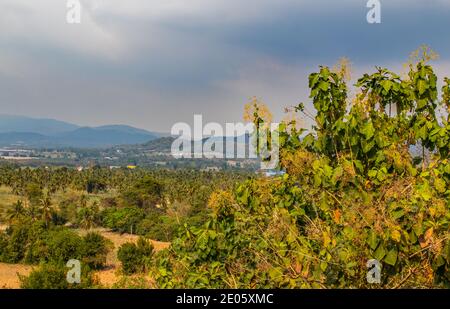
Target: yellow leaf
{"type": "Point", "coordinates": [396, 235]}
{"type": "Point", "coordinates": [326, 239]}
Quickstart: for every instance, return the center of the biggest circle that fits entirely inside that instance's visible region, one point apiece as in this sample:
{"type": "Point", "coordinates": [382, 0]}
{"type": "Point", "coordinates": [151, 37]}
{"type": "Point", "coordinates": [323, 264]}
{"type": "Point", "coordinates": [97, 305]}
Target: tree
{"type": "Point", "coordinates": [135, 257]}
{"type": "Point", "coordinates": [352, 192]}
{"type": "Point", "coordinates": [16, 212]}
{"type": "Point", "coordinates": [46, 209]}
{"type": "Point", "coordinates": [88, 216]}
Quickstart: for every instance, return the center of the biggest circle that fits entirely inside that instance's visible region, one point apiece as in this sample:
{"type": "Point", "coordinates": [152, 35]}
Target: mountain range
{"type": "Point", "coordinates": [51, 133]}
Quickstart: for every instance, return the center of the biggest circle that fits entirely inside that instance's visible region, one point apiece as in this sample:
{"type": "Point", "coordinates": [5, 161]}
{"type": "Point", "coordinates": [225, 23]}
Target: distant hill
{"type": "Point", "coordinates": [9, 123]}
{"type": "Point", "coordinates": [163, 144]}
{"type": "Point", "coordinates": [104, 137]}
{"type": "Point", "coordinates": [25, 139]}
{"type": "Point", "coordinates": [32, 132]}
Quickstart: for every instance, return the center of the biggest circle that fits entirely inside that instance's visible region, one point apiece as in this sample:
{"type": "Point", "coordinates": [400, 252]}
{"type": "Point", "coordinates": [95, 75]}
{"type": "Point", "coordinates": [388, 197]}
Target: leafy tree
{"type": "Point", "coordinates": [95, 250]}
{"type": "Point", "coordinates": [352, 192]}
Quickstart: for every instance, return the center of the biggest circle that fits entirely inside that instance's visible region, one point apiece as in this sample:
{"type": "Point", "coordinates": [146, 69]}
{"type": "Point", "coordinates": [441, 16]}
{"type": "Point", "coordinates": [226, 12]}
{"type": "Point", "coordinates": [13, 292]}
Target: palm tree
{"type": "Point", "coordinates": [83, 201]}
{"type": "Point", "coordinates": [88, 216]}
{"type": "Point", "coordinates": [46, 209]}
{"type": "Point", "coordinates": [15, 213]}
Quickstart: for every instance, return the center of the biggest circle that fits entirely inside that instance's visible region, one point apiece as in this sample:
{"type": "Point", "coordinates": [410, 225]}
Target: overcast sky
{"type": "Point", "coordinates": [151, 63]}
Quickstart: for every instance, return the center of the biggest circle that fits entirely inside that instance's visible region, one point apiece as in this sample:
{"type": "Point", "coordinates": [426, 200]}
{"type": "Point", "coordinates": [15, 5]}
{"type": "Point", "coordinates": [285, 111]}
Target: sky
{"type": "Point", "coordinates": [151, 64]}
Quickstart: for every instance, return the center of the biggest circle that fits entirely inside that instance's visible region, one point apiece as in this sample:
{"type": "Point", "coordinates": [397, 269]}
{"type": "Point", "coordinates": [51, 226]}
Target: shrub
{"type": "Point", "coordinates": [135, 257]}
{"type": "Point", "coordinates": [17, 242]}
{"type": "Point", "coordinates": [95, 250]}
{"type": "Point", "coordinates": [33, 243]}
{"type": "Point", "coordinates": [54, 276]}
{"type": "Point", "coordinates": [64, 245]}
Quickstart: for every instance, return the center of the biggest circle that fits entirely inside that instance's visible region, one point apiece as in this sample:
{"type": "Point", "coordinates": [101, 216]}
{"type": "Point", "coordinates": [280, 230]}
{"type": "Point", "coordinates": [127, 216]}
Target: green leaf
{"type": "Point", "coordinates": [324, 86]}
{"type": "Point", "coordinates": [386, 84]}
{"type": "Point", "coordinates": [422, 86]}
{"type": "Point", "coordinates": [372, 240]}
{"type": "Point", "coordinates": [391, 257]}
{"type": "Point", "coordinates": [398, 214]}
{"type": "Point", "coordinates": [380, 253]}
{"type": "Point", "coordinates": [372, 173]}
{"type": "Point", "coordinates": [337, 174]}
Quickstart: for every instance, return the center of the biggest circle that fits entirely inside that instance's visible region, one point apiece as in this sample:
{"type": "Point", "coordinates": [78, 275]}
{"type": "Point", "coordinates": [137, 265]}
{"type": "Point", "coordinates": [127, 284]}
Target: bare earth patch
{"type": "Point", "coordinates": [8, 275]}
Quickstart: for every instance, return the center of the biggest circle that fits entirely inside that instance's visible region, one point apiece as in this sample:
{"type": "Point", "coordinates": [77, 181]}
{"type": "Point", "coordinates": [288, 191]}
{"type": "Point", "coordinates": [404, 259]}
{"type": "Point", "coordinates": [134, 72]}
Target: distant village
{"type": "Point", "coordinates": [116, 158]}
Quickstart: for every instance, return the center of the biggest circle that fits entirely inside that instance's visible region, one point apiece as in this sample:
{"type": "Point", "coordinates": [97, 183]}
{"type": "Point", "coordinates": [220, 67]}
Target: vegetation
{"type": "Point", "coordinates": [370, 180]}
{"type": "Point", "coordinates": [352, 192]}
{"type": "Point", "coordinates": [135, 257]}
{"type": "Point", "coordinates": [53, 276]}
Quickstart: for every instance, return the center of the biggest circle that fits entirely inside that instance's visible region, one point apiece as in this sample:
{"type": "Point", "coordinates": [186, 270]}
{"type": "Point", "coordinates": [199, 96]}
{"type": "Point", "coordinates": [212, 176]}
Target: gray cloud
{"type": "Point", "coordinates": [152, 63]}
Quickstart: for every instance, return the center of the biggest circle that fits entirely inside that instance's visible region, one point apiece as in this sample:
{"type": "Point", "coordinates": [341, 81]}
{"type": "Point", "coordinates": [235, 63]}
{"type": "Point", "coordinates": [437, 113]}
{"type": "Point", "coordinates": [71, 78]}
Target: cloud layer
{"type": "Point", "coordinates": [152, 63]}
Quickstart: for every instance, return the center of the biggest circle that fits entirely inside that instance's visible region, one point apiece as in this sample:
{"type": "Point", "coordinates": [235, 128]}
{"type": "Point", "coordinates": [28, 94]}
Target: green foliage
{"type": "Point", "coordinates": [64, 245]}
{"type": "Point", "coordinates": [144, 193]}
{"type": "Point", "coordinates": [54, 276]}
{"type": "Point", "coordinates": [34, 243]}
{"type": "Point", "coordinates": [123, 219]}
{"type": "Point", "coordinates": [135, 257]}
{"type": "Point", "coordinates": [95, 250]}
{"type": "Point", "coordinates": [352, 192]}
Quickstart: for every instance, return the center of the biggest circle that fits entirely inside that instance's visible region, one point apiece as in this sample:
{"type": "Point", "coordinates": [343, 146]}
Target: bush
{"type": "Point", "coordinates": [351, 193]}
{"type": "Point", "coordinates": [17, 242]}
{"type": "Point", "coordinates": [95, 250]}
{"type": "Point", "coordinates": [54, 276]}
{"type": "Point", "coordinates": [135, 257]}
{"type": "Point", "coordinates": [64, 245]}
